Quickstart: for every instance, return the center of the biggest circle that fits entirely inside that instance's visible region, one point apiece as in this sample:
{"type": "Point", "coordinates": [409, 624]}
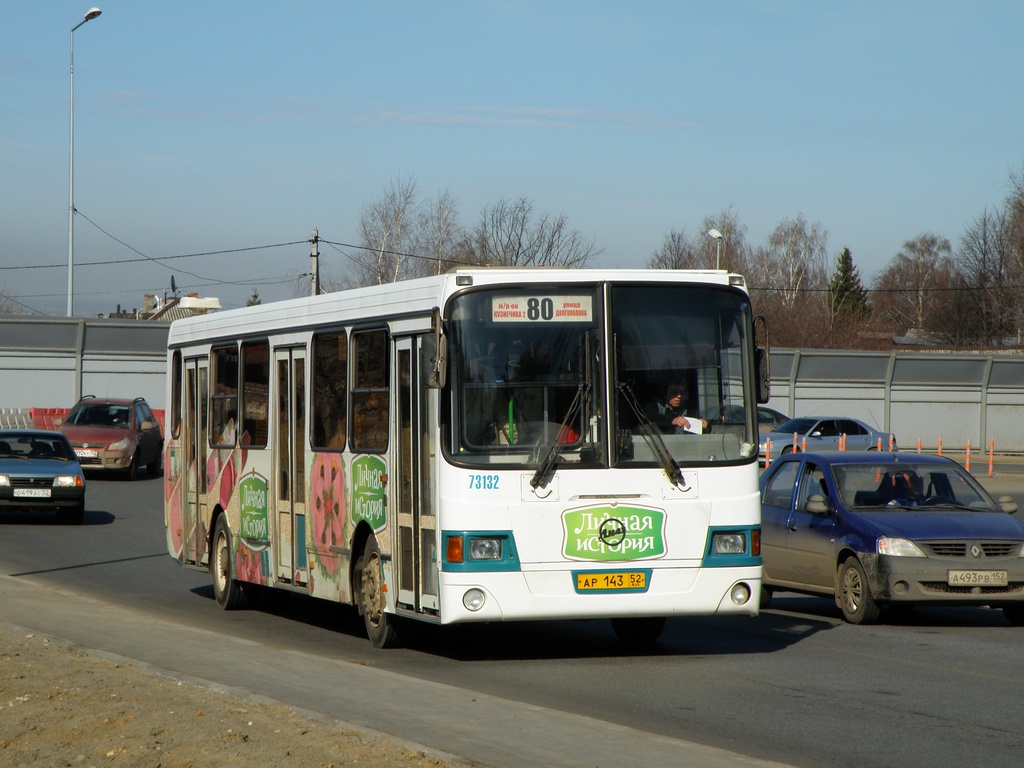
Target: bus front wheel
{"type": "Point", "coordinates": [226, 589]}
{"type": "Point", "coordinates": [380, 625]}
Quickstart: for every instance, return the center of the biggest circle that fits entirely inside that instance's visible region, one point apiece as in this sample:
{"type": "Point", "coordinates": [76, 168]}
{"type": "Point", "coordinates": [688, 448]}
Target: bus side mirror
{"type": "Point", "coordinates": [761, 361]}
{"type": "Point", "coordinates": [437, 363]}
{"type": "Point", "coordinates": [764, 377]}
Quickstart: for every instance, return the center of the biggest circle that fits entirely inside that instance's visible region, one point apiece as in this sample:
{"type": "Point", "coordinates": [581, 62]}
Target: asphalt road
{"type": "Point", "coordinates": [936, 687]}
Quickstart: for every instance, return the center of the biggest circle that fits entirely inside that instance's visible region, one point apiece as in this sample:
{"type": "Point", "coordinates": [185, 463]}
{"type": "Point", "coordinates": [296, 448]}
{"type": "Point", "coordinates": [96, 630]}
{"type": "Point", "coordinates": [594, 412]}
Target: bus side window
{"type": "Point", "coordinates": [370, 390]}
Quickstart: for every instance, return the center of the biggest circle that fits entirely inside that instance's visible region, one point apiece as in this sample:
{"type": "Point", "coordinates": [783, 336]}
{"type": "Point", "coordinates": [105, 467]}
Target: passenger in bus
{"type": "Point", "coordinates": [669, 413]}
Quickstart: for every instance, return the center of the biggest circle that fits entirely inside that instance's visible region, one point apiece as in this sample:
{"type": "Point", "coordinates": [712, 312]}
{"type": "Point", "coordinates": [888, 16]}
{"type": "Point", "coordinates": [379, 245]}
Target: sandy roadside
{"type": "Point", "coordinates": [60, 706]}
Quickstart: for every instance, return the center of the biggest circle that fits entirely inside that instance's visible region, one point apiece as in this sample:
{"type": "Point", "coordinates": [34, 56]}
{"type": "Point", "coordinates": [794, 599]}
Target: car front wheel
{"type": "Point", "coordinates": [855, 599]}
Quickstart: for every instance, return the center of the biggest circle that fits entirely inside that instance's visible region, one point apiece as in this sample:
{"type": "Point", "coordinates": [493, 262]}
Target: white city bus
{"type": "Point", "coordinates": [474, 447]}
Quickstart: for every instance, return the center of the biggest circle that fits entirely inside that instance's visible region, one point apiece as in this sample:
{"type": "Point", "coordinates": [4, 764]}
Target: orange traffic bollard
{"type": "Point", "coordinates": [918, 444]}
{"type": "Point", "coordinates": [940, 445]}
{"type": "Point", "coordinates": [892, 442]}
{"type": "Point", "coordinates": [991, 454]}
{"type": "Point", "coordinates": [767, 452]}
{"type": "Point", "coordinates": [842, 441]}
{"type": "Point", "coordinates": [967, 465]}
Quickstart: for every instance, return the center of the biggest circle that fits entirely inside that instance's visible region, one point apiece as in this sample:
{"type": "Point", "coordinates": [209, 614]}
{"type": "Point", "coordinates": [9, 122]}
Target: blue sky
{"type": "Point", "coordinates": [203, 127]}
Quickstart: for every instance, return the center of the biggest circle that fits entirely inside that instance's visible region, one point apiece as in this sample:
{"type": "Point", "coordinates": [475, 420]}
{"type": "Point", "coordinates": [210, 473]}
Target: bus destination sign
{"type": "Point", "coordinates": [542, 309]}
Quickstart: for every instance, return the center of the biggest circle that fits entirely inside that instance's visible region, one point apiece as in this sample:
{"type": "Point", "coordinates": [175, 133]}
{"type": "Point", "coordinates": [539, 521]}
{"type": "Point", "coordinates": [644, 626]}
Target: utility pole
{"type": "Point", "coordinates": [314, 258]}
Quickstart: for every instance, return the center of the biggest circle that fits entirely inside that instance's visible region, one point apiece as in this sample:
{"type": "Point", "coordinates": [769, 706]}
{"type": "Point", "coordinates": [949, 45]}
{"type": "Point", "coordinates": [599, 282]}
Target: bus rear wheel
{"type": "Point", "coordinates": [228, 592]}
{"type": "Point", "coordinates": [639, 631]}
{"type": "Point", "coordinates": [380, 625]}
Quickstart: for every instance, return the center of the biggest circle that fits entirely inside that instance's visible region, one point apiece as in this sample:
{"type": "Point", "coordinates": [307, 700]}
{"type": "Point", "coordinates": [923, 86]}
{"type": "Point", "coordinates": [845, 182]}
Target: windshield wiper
{"type": "Point", "coordinates": [555, 449]}
{"type": "Point", "coordinates": [653, 436]}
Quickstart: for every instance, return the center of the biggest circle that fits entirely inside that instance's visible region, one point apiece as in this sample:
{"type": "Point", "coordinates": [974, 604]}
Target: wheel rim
{"type": "Point", "coordinates": [221, 563]}
{"type": "Point", "coordinates": [853, 590]}
{"type": "Point", "coordinates": [373, 597]}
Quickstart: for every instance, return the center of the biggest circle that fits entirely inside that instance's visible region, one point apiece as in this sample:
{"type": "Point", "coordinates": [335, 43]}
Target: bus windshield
{"type": "Point", "coordinates": [682, 374]}
{"type": "Point", "coordinates": [523, 370]}
{"type": "Point", "coordinates": [584, 372]}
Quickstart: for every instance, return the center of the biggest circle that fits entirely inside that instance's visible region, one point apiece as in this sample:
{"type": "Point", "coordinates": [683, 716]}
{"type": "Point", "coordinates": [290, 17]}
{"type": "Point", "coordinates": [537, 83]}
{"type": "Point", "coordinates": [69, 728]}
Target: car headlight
{"type": "Point", "coordinates": [889, 545]}
{"type": "Point", "coordinates": [120, 445]}
{"type": "Point", "coordinates": [5, 480]}
{"type": "Point", "coordinates": [68, 481]}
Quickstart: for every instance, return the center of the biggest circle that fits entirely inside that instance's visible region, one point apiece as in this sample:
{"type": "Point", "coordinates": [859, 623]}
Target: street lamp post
{"type": "Point", "coordinates": [718, 245]}
{"type": "Point", "coordinates": [91, 14]}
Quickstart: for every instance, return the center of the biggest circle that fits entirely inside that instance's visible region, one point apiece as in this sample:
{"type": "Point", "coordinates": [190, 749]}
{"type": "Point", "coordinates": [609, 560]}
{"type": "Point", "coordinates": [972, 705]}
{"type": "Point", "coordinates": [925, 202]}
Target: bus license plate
{"type": "Point", "coordinates": [591, 581]}
{"type": "Point", "coordinates": [961, 578]}
{"type": "Point", "coordinates": [32, 493]}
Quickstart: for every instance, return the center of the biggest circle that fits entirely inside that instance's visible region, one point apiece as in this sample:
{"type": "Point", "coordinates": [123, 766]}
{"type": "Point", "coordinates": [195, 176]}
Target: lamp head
{"type": "Point", "coordinates": [92, 13]}
{"type": "Point", "coordinates": [715, 234]}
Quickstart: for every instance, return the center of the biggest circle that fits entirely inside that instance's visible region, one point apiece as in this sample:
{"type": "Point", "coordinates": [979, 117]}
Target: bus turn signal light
{"type": "Point", "coordinates": [454, 550]}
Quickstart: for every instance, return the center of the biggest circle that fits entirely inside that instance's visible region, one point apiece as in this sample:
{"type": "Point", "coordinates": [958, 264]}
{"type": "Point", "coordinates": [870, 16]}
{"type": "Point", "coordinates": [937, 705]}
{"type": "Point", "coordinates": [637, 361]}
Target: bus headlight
{"type": "Point", "coordinates": [473, 599]}
{"type": "Point", "coordinates": [484, 549]}
{"type": "Point", "coordinates": [729, 544]}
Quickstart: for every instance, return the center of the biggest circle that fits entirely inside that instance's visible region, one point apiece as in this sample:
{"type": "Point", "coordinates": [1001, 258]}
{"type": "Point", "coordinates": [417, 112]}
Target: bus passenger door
{"type": "Point", "coordinates": [290, 464]}
{"type": "Point", "coordinates": [416, 446]}
{"type": "Point", "coordinates": [194, 515]}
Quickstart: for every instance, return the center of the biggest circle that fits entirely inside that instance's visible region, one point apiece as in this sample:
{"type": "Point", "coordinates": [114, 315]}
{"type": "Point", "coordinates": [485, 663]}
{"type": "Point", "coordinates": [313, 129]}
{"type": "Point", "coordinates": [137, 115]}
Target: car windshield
{"type": "Point", "coordinates": [34, 446]}
{"type": "Point", "coordinates": [800, 426]}
{"type": "Point", "coordinates": [99, 415]}
{"type": "Point", "coordinates": [909, 484]}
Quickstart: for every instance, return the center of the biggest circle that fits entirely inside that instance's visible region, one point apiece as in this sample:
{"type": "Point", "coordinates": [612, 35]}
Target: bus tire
{"type": "Point", "coordinates": [380, 625]}
{"type": "Point", "coordinates": [228, 592]}
{"type": "Point", "coordinates": [639, 631]}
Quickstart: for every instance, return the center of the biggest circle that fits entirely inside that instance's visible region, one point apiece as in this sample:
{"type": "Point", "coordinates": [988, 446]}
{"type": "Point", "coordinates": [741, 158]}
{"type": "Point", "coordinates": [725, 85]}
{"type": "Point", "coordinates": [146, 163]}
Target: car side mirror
{"type": "Point", "coordinates": [1008, 505]}
{"type": "Point", "coordinates": [816, 433]}
{"type": "Point", "coordinates": [816, 505]}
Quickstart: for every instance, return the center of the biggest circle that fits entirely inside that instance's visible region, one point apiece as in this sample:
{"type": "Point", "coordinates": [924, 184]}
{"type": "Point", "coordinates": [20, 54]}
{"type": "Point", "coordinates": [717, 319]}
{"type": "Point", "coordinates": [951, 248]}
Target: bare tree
{"type": "Point", "coordinates": [987, 311]}
{"type": "Point", "coordinates": [9, 305]}
{"type": "Point", "coordinates": [439, 235]}
{"type": "Point", "coordinates": [909, 291]}
{"type": "Point", "coordinates": [794, 261]}
{"type": "Point", "coordinates": [788, 281]}
{"type": "Point", "coordinates": [386, 229]}
{"type": "Point", "coordinates": [678, 251]}
{"type": "Point", "coordinates": [734, 255]}
{"type": "Point", "coordinates": [506, 236]}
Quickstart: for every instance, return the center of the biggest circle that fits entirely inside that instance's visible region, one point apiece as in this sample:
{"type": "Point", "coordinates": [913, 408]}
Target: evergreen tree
{"type": "Point", "coordinates": [255, 299]}
{"type": "Point", "coordinates": [846, 290]}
